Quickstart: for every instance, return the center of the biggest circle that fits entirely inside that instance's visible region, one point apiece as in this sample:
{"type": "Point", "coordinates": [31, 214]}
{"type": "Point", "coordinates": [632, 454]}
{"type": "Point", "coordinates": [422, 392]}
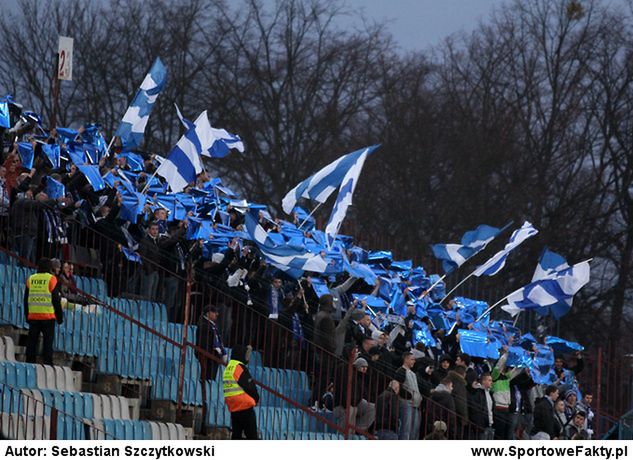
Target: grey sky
{"type": "Point", "coordinates": [415, 24]}
{"type": "Point", "coordinates": [418, 24]}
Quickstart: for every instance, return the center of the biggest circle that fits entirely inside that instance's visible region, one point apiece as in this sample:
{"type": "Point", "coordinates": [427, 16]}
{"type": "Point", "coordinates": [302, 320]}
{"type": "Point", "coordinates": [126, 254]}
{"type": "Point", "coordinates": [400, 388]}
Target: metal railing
{"type": "Point", "coordinates": [128, 335]}
{"type": "Point", "coordinates": [24, 417]}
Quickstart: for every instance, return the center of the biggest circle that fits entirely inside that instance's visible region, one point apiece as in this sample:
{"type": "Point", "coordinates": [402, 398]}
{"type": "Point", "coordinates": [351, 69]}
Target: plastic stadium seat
{"type": "Point", "coordinates": [7, 349]}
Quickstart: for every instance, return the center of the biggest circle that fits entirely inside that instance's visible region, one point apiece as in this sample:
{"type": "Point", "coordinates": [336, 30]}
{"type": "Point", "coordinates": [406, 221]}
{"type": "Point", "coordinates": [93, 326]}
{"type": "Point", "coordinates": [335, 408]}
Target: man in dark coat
{"type": "Point", "coordinates": [210, 340]}
{"type": "Point", "coordinates": [482, 407]}
{"type": "Point", "coordinates": [324, 327]}
{"type": "Point", "coordinates": [460, 393]}
{"type": "Point", "coordinates": [544, 415]}
{"type": "Point", "coordinates": [387, 415]}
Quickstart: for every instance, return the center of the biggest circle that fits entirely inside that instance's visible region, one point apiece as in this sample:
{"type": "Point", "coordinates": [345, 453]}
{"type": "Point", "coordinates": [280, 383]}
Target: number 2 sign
{"type": "Point", "coordinates": [65, 53]}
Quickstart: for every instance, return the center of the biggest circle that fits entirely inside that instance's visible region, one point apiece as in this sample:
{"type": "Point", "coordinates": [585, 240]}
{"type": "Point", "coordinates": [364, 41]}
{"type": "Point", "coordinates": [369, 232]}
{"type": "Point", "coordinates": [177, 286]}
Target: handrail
{"type": "Point", "coordinates": [31, 402]}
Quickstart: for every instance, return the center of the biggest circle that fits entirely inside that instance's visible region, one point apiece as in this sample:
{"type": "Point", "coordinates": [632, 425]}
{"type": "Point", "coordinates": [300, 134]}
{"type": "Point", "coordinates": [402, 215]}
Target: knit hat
{"type": "Point", "coordinates": [570, 392]}
{"type": "Point", "coordinates": [360, 362]}
{"type": "Point", "coordinates": [439, 425]}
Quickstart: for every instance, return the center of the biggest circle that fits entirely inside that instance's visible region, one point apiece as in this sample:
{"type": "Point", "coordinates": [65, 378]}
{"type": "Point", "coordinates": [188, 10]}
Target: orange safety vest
{"type": "Point", "coordinates": [40, 301]}
{"type": "Point", "coordinates": [234, 395]}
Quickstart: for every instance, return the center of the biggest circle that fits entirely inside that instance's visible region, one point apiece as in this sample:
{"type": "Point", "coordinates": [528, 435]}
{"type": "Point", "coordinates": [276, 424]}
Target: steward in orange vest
{"type": "Point", "coordinates": [240, 394]}
{"type": "Point", "coordinates": [42, 307]}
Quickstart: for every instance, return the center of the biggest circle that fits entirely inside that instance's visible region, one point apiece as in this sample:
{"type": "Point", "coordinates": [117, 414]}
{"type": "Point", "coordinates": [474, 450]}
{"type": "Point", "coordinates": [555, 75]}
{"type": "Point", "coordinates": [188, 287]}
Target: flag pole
{"type": "Point", "coordinates": [428, 291]}
{"type": "Point", "coordinates": [458, 285]}
{"type": "Point", "coordinates": [109, 145]}
{"type": "Point", "coordinates": [516, 320]}
{"type": "Point", "coordinates": [309, 215]}
{"type": "Point", "coordinates": [149, 181]}
{"type": "Point", "coordinates": [492, 307]}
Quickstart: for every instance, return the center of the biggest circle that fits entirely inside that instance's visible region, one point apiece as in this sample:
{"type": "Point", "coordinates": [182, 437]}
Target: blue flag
{"type": "Point", "coordinates": [93, 176]}
{"type": "Point", "coordinates": [561, 345]}
{"type": "Point", "coordinates": [54, 189]}
{"type": "Point", "coordinates": [25, 150]}
{"type": "Point", "coordinates": [5, 119]}
{"type": "Point", "coordinates": [52, 152]}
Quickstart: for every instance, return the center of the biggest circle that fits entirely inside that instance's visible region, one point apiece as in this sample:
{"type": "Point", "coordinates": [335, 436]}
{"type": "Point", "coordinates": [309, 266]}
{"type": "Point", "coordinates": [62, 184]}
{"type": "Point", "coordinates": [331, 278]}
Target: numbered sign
{"type": "Point", "coordinates": [65, 66]}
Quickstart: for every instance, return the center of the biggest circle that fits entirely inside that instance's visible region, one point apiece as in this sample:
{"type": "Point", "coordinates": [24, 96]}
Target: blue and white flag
{"type": "Point", "coordinates": [549, 265]}
{"type": "Point", "coordinates": [556, 291]}
{"type": "Point", "coordinates": [134, 121]}
{"type": "Point", "coordinates": [498, 261]}
{"type": "Point", "coordinates": [183, 163]}
{"type": "Point", "coordinates": [320, 185]}
{"type": "Point", "coordinates": [473, 241]}
{"type": "Point", "coordinates": [282, 256]}
{"type": "Point", "coordinates": [224, 141]}
{"type": "Point", "coordinates": [344, 199]}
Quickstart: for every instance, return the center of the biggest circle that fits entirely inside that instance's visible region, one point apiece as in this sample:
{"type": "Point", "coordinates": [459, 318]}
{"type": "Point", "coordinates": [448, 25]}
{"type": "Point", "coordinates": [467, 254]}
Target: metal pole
{"type": "Point", "coordinates": [598, 389]}
{"type": "Point", "coordinates": [183, 351]}
{"type": "Point", "coordinates": [428, 291]}
{"type": "Point", "coordinates": [53, 430]}
{"type": "Point", "coordinates": [309, 215]}
{"type": "Point", "coordinates": [458, 285]}
{"type": "Point", "coordinates": [348, 399]}
{"type": "Point", "coordinates": [55, 102]}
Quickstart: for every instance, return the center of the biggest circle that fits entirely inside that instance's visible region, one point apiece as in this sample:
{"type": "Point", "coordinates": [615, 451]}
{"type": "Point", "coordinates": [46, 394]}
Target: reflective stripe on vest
{"type": "Point", "coordinates": [40, 299]}
{"type": "Point", "coordinates": [234, 395]}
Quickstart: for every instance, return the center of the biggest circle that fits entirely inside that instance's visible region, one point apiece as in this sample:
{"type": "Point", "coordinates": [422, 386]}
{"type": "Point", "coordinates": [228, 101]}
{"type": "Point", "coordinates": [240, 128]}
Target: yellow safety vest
{"type": "Point", "coordinates": [234, 395]}
{"type": "Point", "coordinates": [40, 298]}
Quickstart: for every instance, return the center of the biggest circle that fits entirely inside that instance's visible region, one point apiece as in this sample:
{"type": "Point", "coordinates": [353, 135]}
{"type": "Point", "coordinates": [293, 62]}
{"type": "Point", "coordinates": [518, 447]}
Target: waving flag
{"type": "Point", "coordinates": [555, 292]}
{"type": "Point", "coordinates": [550, 264]}
{"type": "Point", "coordinates": [93, 176]}
{"type": "Point", "coordinates": [223, 143]}
{"type": "Point", "coordinates": [498, 261]}
{"type": "Point", "coordinates": [25, 150]}
{"type": "Point", "coordinates": [5, 119]}
{"type": "Point", "coordinates": [54, 189]}
{"type": "Point", "coordinates": [52, 152]}
{"type": "Point", "coordinates": [134, 121]}
{"type": "Point", "coordinates": [320, 185]}
{"type": "Point", "coordinates": [473, 241]}
{"type": "Point", "coordinates": [283, 256]}
{"type": "Point", "coordinates": [183, 163]}
{"type": "Point", "coordinates": [344, 199]}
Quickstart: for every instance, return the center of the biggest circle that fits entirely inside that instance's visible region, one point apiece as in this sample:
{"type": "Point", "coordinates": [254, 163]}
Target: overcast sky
{"type": "Point", "coordinates": [418, 24]}
{"type": "Point", "coordinates": [415, 24]}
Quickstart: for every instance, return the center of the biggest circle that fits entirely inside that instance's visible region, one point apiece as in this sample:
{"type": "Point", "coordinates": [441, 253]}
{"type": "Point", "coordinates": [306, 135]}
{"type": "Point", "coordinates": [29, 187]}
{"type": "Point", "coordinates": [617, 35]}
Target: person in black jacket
{"type": "Point", "coordinates": [210, 340]}
{"type": "Point", "coordinates": [544, 415]}
{"type": "Point", "coordinates": [482, 407]}
{"type": "Point", "coordinates": [387, 415]}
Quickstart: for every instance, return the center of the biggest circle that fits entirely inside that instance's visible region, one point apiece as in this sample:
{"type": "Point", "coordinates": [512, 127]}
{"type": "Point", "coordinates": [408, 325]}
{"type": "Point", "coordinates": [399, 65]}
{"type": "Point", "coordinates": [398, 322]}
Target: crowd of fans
{"type": "Point", "coordinates": [410, 371]}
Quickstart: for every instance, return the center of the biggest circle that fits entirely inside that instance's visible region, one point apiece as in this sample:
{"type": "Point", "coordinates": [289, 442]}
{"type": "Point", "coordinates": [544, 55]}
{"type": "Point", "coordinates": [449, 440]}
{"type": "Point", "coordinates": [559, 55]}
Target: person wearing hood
{"type": "Point", "coordinates": [460, 392]}
{"type": "Point", "coordinates": [240, 394]}
{"type": "Point", "coordinates": [324, 327]}
{"type": "Point", "coordinates": [442, 371]}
